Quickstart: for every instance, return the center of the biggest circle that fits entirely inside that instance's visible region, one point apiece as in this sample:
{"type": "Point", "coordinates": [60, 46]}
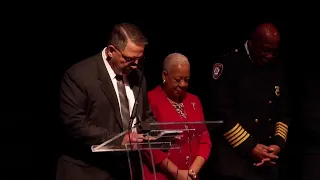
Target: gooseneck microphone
{"type": "Point", "coordinates": [134, 113]}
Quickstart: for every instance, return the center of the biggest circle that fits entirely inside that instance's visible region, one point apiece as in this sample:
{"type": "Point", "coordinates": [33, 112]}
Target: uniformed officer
{"type": "Point", "coordinates": [250, 97]}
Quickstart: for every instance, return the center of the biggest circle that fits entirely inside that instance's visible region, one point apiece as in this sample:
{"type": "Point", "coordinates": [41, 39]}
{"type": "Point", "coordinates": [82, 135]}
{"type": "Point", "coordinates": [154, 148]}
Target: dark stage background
{"type": "Point", "coordinates": [72, 37]}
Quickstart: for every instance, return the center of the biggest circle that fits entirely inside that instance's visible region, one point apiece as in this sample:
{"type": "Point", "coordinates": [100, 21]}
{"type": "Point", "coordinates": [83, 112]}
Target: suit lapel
{"type": "Point", "coordinates": [108, 89]}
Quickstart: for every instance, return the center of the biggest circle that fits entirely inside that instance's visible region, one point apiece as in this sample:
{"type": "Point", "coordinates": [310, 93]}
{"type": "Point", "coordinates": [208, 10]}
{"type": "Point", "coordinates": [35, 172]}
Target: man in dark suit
{"type": "Point", "coordinates": [96, 101]}
{"type": "Point", "coordinates": [250, 96]}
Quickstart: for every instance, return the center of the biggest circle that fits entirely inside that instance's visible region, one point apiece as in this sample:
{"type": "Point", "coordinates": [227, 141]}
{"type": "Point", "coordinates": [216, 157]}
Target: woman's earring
{"type": "Point", "coordinates": [164, 81]}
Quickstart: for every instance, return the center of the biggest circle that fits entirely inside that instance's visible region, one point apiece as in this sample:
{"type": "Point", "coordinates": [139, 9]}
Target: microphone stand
{"type": "Point", "coordinates": [134, 113]}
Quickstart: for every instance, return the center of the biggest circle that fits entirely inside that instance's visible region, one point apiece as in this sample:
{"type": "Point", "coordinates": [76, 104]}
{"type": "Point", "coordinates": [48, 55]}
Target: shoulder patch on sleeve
{"type": "Point", "coordinates": [217, 70]}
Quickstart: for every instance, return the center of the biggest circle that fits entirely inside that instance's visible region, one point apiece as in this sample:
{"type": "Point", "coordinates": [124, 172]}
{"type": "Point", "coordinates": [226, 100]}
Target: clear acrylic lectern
{"type": "Point", "coordinates": [160, 136]}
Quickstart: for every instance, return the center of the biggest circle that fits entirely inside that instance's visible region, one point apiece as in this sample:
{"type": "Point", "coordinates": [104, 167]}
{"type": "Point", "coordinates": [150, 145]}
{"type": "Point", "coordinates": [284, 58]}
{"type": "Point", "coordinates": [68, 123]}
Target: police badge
{"type": "Point", "coordinates": [217, 70]}
{"type": "Point", "coordinates": [277, 90]}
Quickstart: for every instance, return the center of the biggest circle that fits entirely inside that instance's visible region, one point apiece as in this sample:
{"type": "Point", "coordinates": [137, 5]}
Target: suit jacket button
{"type": "Point", "coordinates": [256, 120]}
{"type": "Point", "coordinates": [270, 102]}
{"type": "Point", "coordinates": [270, 119]}
{"type": "Point", "coordinates": [270, 137]}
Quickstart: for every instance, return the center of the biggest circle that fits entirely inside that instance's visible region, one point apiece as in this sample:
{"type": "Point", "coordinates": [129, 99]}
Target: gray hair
{"type": "Point", "coordinates": [124, 32]}
{"type": "Point", "coordinates": [174, 59]}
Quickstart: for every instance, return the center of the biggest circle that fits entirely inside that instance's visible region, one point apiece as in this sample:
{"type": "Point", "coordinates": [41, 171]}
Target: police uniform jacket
{"type": "Point", "coordinates": [253, 103]}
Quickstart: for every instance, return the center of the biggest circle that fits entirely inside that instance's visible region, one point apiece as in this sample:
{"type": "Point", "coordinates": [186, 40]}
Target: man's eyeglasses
{"type": "Point", "coordinates": [129, 59]}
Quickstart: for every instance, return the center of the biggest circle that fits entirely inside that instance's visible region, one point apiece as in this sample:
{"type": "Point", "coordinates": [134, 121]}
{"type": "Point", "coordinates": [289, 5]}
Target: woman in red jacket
{"type": "Point", "coordinates": [171, 102]}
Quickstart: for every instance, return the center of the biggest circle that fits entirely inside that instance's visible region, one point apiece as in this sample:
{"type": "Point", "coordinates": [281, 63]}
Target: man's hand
{"type": "Point", "coordinates": [275, 149]}
{"type": "Point", "coordinates": [133, 138]}
{"type": "Point", "coordinates": [262, 153]}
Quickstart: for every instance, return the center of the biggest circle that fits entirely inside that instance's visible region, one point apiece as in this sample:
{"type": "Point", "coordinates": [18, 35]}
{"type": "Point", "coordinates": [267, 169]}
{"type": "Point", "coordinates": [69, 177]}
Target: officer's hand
{"type": "Point", "coordinates": [275, 149]}
{"type": "Point", "coordinates": [266, 161]}
{"type": "Point", "coordinates": [261, 152]}
{"type": "Point", "coordinates": [263, 155]}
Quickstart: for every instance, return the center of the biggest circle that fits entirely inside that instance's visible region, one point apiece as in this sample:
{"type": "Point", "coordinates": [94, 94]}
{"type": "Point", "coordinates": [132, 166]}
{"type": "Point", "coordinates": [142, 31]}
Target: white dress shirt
{"type": "Point", "coordinates": [129, 92]}
{"type": "Point", "coordinates": [247, 49]}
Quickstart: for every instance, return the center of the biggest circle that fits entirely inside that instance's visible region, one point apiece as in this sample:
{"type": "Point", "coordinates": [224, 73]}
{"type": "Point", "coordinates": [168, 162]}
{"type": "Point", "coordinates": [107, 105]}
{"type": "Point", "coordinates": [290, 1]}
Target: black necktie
{"type": "Point", "coordinates": [123, 102]}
